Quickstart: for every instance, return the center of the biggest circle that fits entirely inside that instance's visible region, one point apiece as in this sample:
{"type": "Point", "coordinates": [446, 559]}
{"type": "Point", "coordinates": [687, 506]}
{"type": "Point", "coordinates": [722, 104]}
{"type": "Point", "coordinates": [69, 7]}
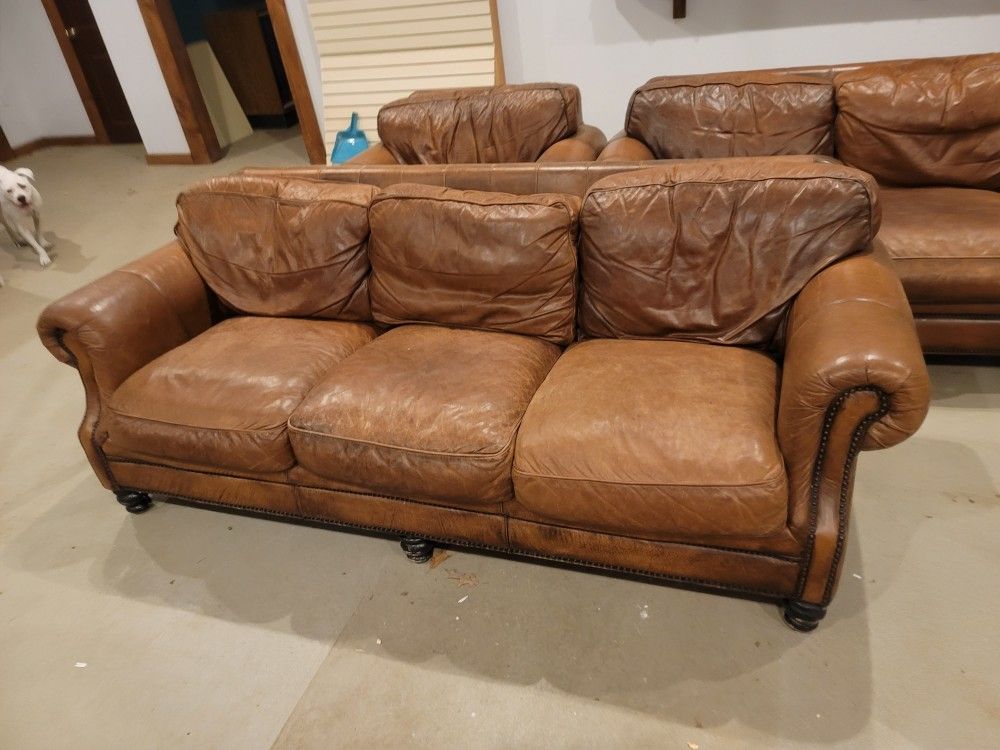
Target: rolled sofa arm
{"type": "Point", "coordinates": [853, 378]}
{"type": "Point", "coordinates": [626, 148]}
{"type": "Point", "coordinates": [120, 322]}
{"type": "Point", "coordinates": [584, 145]}
{"type": "Point", "coordinates": [377, 154]}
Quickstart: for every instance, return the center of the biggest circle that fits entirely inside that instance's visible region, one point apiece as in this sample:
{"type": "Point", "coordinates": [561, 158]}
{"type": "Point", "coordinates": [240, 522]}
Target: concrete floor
{"type": "Point", "coordinates": [188, 628]}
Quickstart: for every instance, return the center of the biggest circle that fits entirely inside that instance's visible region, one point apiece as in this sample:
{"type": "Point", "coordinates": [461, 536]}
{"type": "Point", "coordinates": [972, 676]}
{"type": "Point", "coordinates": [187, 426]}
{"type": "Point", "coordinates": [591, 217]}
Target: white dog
{"type": "Point", "coordinates": [19, 201]}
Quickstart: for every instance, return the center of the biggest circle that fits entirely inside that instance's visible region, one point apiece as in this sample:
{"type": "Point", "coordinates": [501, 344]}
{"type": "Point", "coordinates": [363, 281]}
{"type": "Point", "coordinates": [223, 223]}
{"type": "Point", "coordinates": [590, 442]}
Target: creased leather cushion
{"type": "Point", "coordinates": [481, 260]}
{"type": "Point", "coordinates": [222, 399]}
{"type": "Point", "coordinates": [655, 439]}
{"type": "Point", "coordinates": [757, 113]}
{"type": "Point", "coordinates": [923, 122]}
{"type": "Point", "coordinates": [715, 250]}
{"type": "Point", "coordinates": [479, 125]}
{"type": "Point", "coordinates": [944, 242]}
{"type": "Point", "coordinates": [425, 413]}
{"type": "Point", "coordinates": [278, 246]}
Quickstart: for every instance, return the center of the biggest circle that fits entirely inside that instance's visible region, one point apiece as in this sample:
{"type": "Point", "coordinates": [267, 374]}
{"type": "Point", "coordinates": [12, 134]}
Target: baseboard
{"type": "Point", "coordinates": [54, 140]}
{"type": "Point", "coordinates": [155, 159]}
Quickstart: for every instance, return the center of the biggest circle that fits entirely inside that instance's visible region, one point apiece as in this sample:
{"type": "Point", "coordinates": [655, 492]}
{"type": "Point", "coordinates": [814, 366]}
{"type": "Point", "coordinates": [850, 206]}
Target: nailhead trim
{"type": "Point", "coordinates": [765, 593]}
{"type": "Point", "coordinates": [855, 447]}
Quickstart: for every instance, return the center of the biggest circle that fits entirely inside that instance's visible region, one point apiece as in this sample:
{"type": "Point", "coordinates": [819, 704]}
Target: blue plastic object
{"type": "Point", "coordinates": [350, 142]}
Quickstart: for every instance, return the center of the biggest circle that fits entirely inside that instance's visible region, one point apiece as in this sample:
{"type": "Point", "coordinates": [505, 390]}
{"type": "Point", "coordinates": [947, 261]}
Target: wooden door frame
{"type": "Point", "coordinates": [171, 52]}
{"type": "Point", "coordinates": [292, 62]}
{"type": "Point", "coordinates": [6, 152]}
{"type": "Point", "coordinates": [76, 71]}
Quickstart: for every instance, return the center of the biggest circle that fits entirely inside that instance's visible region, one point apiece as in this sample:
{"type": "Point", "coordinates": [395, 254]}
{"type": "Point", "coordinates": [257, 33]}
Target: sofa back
{"type": "Point", "coordinates": [574, 178]}
{"type": "Point", "coordinates": [923, 122]}
{"type": "Point", "coordinates": [755, 113]}
{"type": "Point", "coordinates": [481, 260]}
{"type": "Point", "coordinates": [716, 250]}
{"type": "Point", "coordinates": [280, 246]}
{"type": "Point", "coordinates": [479, 125]}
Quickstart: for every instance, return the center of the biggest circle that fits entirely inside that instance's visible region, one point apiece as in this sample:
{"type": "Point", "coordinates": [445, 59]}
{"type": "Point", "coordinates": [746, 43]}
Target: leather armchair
{"type": "Point", "coordinates": [499, 124]}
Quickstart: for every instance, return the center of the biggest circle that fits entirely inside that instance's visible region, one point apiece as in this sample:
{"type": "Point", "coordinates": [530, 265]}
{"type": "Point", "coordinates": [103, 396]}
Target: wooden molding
{"type": "Point", "coordinates": [155, 159]}
{"type": "Point", "coordinates": [499, 75]}
{"type": "Point", "coordinates": [76, 71]}
{"type": "Point", "coordinates": [50, 140]}
{"type": "Point", "coordinates": [178, 74]}
{"type": "Point", "coordinates": [290, 58]}
{"type": "Point", "coordinates": [6, 152]}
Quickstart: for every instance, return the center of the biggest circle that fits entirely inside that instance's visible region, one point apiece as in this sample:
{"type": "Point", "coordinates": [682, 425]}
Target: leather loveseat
{"type": "Point", "coordinates": [672, 377]}
{"type": "Point", "coordinates": [486, 125]}
{"type": "Point", "coordinates": [928, 130]}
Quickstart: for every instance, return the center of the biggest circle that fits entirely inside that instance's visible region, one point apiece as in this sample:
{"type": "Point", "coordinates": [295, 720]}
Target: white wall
{"type": "Point", "coordinates": [609, 47]}
{"type": "Point", "coordinates": [298, 15]}
{"type": "Point", "coordinates": [37, 95]}
{"type": "Point", "coordinates": [134, 60]}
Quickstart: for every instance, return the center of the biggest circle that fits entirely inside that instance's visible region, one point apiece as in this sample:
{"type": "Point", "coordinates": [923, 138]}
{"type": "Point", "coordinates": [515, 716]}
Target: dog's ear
{"type": "Point", "coordinates": [25, 172]}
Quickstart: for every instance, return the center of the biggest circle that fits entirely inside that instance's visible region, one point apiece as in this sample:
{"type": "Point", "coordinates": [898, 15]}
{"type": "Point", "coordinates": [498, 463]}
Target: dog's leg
{"type": "Point", "coordinates": [43, 257]}
{"type": "Point", "coordinates": [14, 235]}
{"type": "Point", "coordinates": [38, 230]}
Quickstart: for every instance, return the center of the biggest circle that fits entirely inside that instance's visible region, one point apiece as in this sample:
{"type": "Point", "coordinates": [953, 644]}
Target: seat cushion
{"type": "Point", "coordinates": [945, 242]}
{"type": "Point", "coordinates": [222, 400]}
{"type": "Point", "coordinates": [423, 412]}
{"type": "Point", "coordinates": [654, 439]}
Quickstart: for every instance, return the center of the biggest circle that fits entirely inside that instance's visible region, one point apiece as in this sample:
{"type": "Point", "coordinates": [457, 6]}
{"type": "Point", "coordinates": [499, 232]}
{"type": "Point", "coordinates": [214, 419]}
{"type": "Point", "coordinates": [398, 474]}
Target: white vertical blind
{"type": "Point", "coordinates": [374, 51]}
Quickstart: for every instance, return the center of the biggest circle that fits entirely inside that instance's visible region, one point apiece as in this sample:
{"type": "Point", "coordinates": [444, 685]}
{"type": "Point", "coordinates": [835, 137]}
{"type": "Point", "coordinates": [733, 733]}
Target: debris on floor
{"type": "Point", "coordinates": [463, 580]}
{"type": "Point", "coordinates": [80, 664]}
{"type": "Point", "coordinates": [439, 556]}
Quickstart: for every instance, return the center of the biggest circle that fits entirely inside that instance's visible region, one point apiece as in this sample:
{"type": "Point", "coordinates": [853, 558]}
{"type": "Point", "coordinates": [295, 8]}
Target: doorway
{"type": "Point", "coordinates": [92, 71]}
{"type": "Point", "coordinates": [231, 66]}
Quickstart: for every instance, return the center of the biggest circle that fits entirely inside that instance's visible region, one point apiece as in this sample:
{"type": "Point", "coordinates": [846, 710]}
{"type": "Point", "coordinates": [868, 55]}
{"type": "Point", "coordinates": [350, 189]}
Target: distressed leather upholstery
{"type": "Point", "coordinates": [496, 262]}
{"type": "Point", "coordinates": [424, 412]}
{"type": "Point", "coordinates": [485, 125]}
{"type": "Point", "coordinates": [280, 246]}
{"type": "Point", "coordinates": [607, 443]}
{"type": "Point", "coordinates": [734, 260]}
{"type": "Point", "coordinates": [706, 433]}
{"type": "Point", "coordinates": [944, 243]}
{"type": "Point", "coordinates": [928, 130]}
{"type": "Point", "coordinates": [223, 398]}
{"type": "Point", "coordinates": [735, 114]}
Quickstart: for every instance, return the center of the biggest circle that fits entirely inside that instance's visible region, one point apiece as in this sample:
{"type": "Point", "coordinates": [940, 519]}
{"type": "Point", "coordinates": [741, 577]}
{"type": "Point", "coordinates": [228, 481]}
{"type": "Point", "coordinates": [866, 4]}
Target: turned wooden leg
{"type": "Point", "coordinates": [803, 616]}
{"type": "Point", "coordinates": [134, 502]}
{"type": "Point", "coordinates": [417, 549]}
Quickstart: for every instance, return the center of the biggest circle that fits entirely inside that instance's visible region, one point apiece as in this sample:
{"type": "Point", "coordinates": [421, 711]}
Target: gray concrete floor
{"type": "Point", "coordinates": [188, 628]}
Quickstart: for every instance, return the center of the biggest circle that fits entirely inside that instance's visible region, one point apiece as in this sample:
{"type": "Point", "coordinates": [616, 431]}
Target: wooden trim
{"type": "Point", "coordinates": [50, 140]}
{"type": "Point", "coordinates": [178, 74]}
{"type": "Point", "coordinates": [155, 159]}
{"type": "Point", "coordinates": [499, 75]}
{"type": "Point", "coordinates": [290, 58]}
{"type": "Point", "coordinates": [680, 9]}
{"type": "Point", "coordinates": [6, 152]}
{"type": "Point", "coordinates": [76, 71]}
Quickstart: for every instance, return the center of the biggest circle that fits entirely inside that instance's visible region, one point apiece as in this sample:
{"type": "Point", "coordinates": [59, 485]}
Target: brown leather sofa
{"type": "Point", "coordinates": [486, 125]}
{"type": "Point", "coordinates": [928, 130]}
{"type": "Point", "coordinates": [671, 378]}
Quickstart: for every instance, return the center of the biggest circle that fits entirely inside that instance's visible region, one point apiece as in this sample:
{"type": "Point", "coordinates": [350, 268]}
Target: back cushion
{"type": "Point", "coordinates": [480, 260]}
{"type": "Point", "coordinates": [479, 125]}
{"type": "Point", "coordinates": [715, 250]}
{"type": "Point", "coordinates": [277, 246]}
{"type": "Point", "coordinates": [734, 114]}
{"type": "Point", "coordinates": [923, 122]}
